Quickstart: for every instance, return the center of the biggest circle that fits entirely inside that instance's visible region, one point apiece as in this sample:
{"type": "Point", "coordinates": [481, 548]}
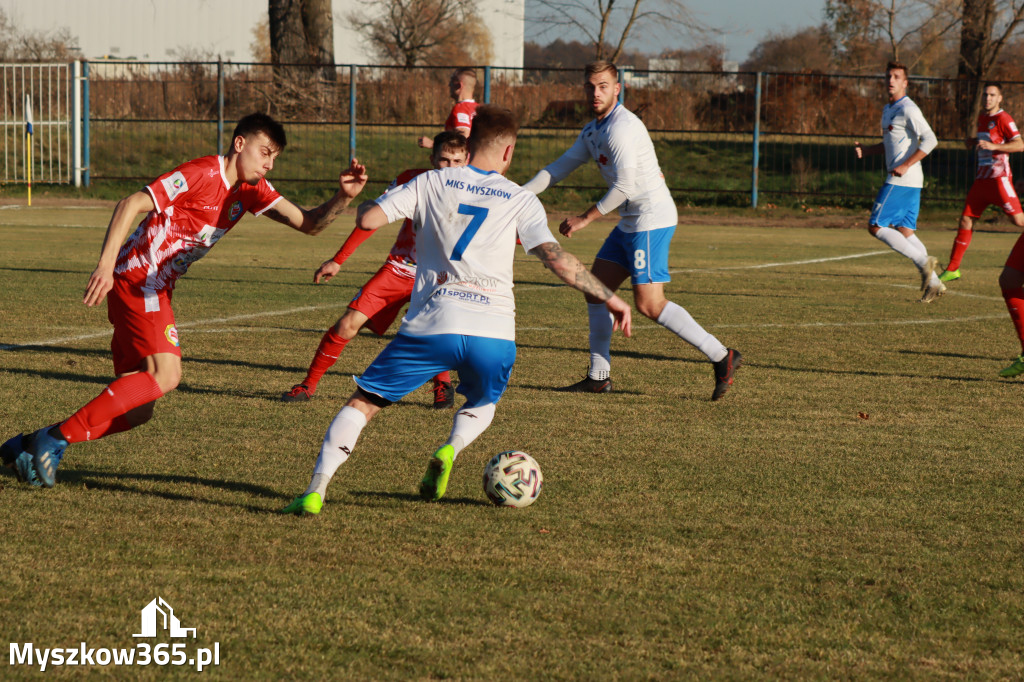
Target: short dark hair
{"type": "Point", "coordinates": [256, 123]}
{"type": "Point", "coordinates": [465, 71]}
{"type": "Point", "coordinates": [993, 84]}
{"type": "Point", "coordinates": [491, 124]}
{"type": "Point", "coordinates": [451, 140]}
{"type": "Point", "coordinates": [600, 66]}
{"type": "Point", "coordinates": [893, 65]}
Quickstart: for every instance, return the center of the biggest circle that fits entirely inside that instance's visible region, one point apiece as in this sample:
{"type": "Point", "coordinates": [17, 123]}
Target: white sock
{"type": "Point", "coordinates": [895, 240]}
{"type": "Point", "coordinates": [341, 437]}
{"type": "Point", "coordinates": [917, 244]}
{"type": "Point", "coordinates": [468, 424]}
{"type": "Point", "coordinates": [601, 324]}
{"type": "Point", "coordinates": [675, 319]}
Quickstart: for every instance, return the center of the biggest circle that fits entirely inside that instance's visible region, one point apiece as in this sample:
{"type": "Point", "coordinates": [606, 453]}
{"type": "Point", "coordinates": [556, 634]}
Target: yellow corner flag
{"type": "Point", "coordinates": [28, 145]}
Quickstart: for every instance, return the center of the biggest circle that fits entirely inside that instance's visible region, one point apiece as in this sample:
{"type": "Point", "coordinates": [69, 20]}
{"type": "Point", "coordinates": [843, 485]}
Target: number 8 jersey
{"type": "Point", "coordinates": [467, 221]}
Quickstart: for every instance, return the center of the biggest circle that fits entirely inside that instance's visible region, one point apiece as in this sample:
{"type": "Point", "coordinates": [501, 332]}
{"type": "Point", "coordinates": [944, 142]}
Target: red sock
{"type": "Point", "coordinates": [1015, 304]}
{"type": "Point", "coordinates": [960, 244]}
{"type": "Point", "coordinates": [445, 377]}
{"type": "Point", "coordinates": [327, 354]}
{"type": "Point", "coordinates": [102, 415]}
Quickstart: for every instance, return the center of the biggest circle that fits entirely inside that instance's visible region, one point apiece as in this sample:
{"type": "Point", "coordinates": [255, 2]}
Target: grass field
{"type": "Point", "coordinates": [851, 509]}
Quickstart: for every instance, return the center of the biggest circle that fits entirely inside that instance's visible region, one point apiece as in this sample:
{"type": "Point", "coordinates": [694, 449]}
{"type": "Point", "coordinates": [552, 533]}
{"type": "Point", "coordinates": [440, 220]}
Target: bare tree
{"type": "Point", "coordinates": [302, 32]}
{"type": "Point", "coordinates": [412, 32]}
{"type": "Point", "coordinates": [608, 24]}
{"type": "Point", "coordinates": [987, 26]}
{"type": "Point", "coordinates": [908, 28]}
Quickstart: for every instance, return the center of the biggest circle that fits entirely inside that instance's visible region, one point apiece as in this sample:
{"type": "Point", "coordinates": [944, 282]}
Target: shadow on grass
{"type": "Point", "coordinates": [368, 497]}
{"type": "Point", "coordinates": [112, 482]}
{"type": "Point", "coordinates": [963, 356]}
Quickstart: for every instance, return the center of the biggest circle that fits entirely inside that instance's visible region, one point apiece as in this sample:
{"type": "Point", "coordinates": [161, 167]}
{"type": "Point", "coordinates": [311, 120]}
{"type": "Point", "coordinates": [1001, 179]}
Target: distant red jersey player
{"type": "Point", "coordinates": [460, 87]}
{"type": "Point", "coordinates": [993, 185]}
{"type": "Point", "coordinates": [187, 211]}
{"type": "Point", "coordinates": [378, 302]}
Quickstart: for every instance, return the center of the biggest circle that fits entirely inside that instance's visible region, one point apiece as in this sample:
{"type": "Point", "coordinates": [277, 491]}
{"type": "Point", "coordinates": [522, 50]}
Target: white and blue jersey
{"type": "Point", "coordinates": [904, 131]}
{"type": "Point", "coordinates": [468, 221]}
{"type": "Point", "coordinates": [622, 148]}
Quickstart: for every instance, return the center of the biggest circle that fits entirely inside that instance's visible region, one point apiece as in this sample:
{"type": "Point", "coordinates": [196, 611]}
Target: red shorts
{"type": "Point", "coordinates": [987, 192]}
{"type": "Point", "coordinates": [138, 332]}
{"type": "Point", "coordinates": [382, 297]}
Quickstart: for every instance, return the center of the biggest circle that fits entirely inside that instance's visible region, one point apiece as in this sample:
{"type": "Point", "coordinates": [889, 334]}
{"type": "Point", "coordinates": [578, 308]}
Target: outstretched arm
{"type": "Point", "coordinates": [330, 268]}
{"type": "Point", "coordinates": [570, 270]}
{"type": "Point", "coordinates": [314, 221]}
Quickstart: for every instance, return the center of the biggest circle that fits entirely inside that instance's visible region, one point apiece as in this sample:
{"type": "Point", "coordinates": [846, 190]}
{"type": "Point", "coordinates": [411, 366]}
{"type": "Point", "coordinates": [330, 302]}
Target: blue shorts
{"type": "Point", "coordinates": [408, 362]}
{"type": "Point", "coordinates": [896, 206]}
{"type": "Point", "coordinates": [644, 254]}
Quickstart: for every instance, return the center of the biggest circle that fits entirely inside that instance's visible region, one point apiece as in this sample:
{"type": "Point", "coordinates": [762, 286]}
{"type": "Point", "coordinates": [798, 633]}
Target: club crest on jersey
{"type": "Point", "coordinates": [174, 184]}
{"type": "Point", "coordinates": [172, 335]}
{"type": "Point", "coordinates": [991, 125]}
{"type": "Point", "coordinates": [236, 210]}
{"type": "Point", "coordinates": [442, 277]}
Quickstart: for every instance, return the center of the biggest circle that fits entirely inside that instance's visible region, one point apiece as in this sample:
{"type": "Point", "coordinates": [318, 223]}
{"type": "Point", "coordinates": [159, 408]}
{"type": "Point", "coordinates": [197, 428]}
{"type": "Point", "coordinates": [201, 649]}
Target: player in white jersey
{"type": "Point", "coordinates": [638, 246]}
{"type": "Point", "coordinates": [462, 312]}
{"type": "Point", "coordinates": [906, 139]}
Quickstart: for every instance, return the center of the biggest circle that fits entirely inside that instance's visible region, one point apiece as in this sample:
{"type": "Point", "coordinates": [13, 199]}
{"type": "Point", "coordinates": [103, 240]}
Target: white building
{"type": "Point", "coordinates": [171, 30]}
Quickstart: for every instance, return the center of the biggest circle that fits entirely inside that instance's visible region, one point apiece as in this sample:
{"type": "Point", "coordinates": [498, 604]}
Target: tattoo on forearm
{"type": "Point", "coordinates": [571, 271]}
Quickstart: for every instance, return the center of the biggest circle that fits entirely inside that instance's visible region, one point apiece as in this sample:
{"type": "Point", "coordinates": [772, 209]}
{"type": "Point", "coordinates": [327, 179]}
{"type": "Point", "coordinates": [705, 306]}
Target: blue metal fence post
{"type": "Point", "coordinates": [757, 141]}
{"type": "Point", "coordinates": [622, 86]}
{"type": "Point", "coordinates": [487, 85]}
{"type": "Point", "coordinates": [352, 111]}
{"type": "Point", "coordinates": [220, 106]}
{"type": "Point", "coordinates": [86, 156]}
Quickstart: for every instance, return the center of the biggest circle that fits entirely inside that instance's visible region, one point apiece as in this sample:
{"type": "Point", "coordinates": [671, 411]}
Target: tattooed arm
{"type": "Point", "coordinates": [570, 270]}
{"type": "Point", "coordinates": [315, 220]}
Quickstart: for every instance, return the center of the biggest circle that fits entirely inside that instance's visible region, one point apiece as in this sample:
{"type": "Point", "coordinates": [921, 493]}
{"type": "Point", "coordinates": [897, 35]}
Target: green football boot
{"type": "Point", "coordinates": [1015, 368]}
{"type": "Point", "coordinates": [304, 504]}
{"type": "Point", "coordinates": [435, 481]}
{"type": "Point", "coordinates": [949, 275]}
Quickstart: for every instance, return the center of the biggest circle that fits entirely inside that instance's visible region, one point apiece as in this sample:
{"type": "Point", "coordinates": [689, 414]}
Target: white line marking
{"type": "Point", "coordinates": [777, 265]}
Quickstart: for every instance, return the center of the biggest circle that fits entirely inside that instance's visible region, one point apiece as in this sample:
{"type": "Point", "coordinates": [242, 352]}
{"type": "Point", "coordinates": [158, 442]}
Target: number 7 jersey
{"type": "Point", "coordinates": [467, 221]}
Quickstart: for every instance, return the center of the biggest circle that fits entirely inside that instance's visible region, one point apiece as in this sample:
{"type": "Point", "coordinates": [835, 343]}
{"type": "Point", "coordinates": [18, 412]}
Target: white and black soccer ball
{"type": "Point", "coordinates": [512, 479]}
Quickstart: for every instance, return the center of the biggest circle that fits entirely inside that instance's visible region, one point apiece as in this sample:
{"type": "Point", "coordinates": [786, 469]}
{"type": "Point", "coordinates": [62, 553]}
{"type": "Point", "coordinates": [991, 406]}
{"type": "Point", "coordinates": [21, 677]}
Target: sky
{"type": "Point", "coordinates": [744, 23]}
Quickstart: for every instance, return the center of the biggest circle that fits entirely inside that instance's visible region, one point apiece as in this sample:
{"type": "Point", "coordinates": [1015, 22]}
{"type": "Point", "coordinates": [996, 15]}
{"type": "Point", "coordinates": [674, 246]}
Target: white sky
{"type": "Point", "coordinates": [743, 22]}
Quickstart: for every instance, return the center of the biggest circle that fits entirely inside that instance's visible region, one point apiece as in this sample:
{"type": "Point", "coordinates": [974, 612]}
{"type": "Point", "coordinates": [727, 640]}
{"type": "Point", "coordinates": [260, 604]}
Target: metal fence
{"type": "Point", "coordinates": [735, 138]}
{"type": "Point", "coordinates": [45, 90]}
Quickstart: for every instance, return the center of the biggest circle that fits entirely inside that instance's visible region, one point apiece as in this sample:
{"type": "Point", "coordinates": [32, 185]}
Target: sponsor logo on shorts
{"type": "Point", "coordinates": [174, 184]}
{"type": "Point", "coordinates": [236, 210]}
{"type": "Point", "coordinates": [172, 335]}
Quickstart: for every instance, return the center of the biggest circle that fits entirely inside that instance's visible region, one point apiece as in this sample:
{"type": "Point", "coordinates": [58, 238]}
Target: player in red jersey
{"type": "Point", "coordinates": [377, 303]}
{"type": "Point", "coordinates": [460, 87]}
{"type": "Point", "coordinates": [993, 185]}
{"type": "Point", "coordinates": [187, 211]}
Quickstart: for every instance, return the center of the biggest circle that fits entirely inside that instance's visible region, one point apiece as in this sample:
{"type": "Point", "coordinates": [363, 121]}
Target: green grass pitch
{"type": "Point", "coordinates": [852, 508]}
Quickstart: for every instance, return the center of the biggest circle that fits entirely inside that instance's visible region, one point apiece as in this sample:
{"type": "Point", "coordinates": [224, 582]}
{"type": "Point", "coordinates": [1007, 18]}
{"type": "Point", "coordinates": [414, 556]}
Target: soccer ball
{"type": "Point", "coordinates": [512, 479]}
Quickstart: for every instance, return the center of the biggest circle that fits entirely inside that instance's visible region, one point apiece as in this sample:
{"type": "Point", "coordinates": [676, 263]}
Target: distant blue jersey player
{"type": "Point", "coordinates": [462, 312]}
{"type": "Point", "coordinates": [906, 140]}
{"type": "Point", "coordinates": [637, 248]}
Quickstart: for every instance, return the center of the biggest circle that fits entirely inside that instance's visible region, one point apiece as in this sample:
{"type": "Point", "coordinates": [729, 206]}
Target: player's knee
{"type": "Point", "coordinates": [966, 223]}
{"type": "Point", "coordinates": [651, 308]}
{"type": "Point", "coordinates": [1018, 219]}
{"type": "Point", "coordinates": [873, 230]}
{"type": "Point", "coordinates": [168, 378]}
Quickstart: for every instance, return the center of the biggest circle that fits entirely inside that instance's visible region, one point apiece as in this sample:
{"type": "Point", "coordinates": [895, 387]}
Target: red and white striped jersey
{"type": "Point", "coordinates": [195, 207]}
{"type": "Point", "coordinates": [402, 257]}
{"type": "Point", "coordinates": [998, 128]}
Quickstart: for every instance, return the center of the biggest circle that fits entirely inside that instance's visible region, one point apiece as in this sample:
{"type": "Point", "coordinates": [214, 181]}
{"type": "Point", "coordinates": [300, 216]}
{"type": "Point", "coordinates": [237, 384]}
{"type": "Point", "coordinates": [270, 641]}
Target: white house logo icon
{"type": "Point", "coordinates": [170, 621]}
